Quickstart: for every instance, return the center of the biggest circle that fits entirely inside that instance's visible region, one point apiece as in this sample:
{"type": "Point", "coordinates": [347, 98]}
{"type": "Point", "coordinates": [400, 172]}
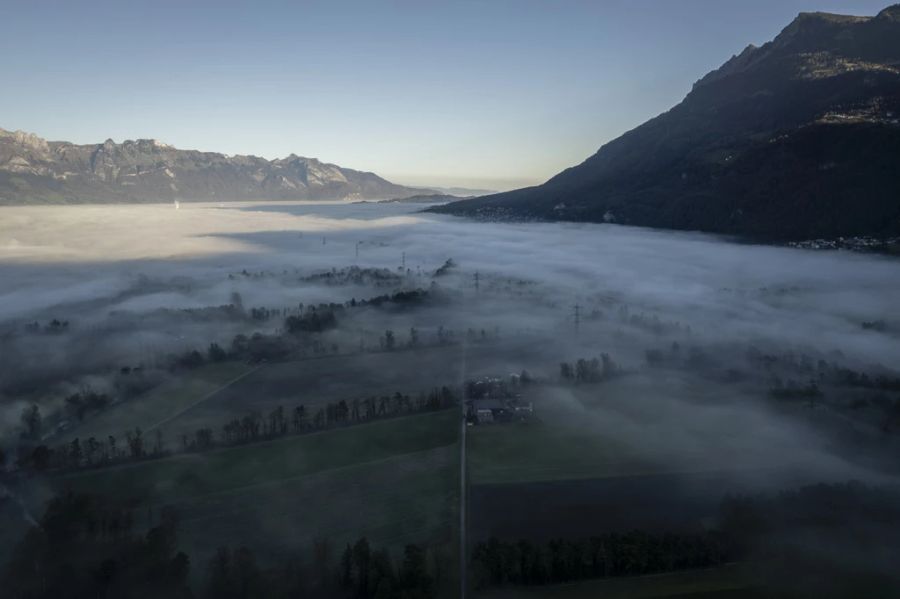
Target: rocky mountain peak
{"type": "Point", "coordinates": [891, 13]}
{"type": "Point", "coordinates": [147, 170]}
{"type": "Point", "coordinates": [27, 140]}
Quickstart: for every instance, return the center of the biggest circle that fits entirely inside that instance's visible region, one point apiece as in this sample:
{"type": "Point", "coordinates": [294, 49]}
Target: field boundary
{"type": "Point", "coordinates": [206, 397]}
{"type": "Point", "coordinates": [185, 455]}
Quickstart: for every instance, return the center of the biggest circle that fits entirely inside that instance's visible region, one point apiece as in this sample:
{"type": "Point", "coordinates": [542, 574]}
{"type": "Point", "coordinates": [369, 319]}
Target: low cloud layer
{"type": "Point", "coordinates": [120, 274]}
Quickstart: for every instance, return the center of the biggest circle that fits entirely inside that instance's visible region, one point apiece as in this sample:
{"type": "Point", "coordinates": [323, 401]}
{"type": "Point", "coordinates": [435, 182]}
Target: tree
{"type": "Point", "coordinates": [388, 342]}
{"type": "Point", "coordinates": [135, 443]}
{"type": "Point", "coordinates": [216, 353]}
{"type": "Point", "coordinates": [91, 448]}
{"type": "Point", "coordinates": [248, 581]}
{"type": "Point", "coordinates": [204, 438]}
{"type": "Point", "coordinates": [382, 579]}
{"type": "Point", "coordinates": [347, 567]}
{"type": "Point", "coordinates": [361, 557]}
{"type": "Point", "coordinates": [299, 418]}
{"type": "Point", "coordinates": [413, 337]}
{"type": "Point", "coordinates": [414, 578]}
{"type": "Point", "coordinates": [75, 453]}
{"type": "Point", "coordinates": [219, 577]}
{"type": "Point", "coordinates": [322, 564]}
{"type": "Point", "coordinates": [237, 301]}
{"type": "Point", "coordinates": [31, 422]}
{"type": "Point", "coordinates": [40, 457]}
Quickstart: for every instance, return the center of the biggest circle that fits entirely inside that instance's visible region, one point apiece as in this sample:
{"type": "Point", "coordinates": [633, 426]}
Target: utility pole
{"type": "Point", "coordinates": [357, 249]}
{"type": "Point", "coordinates": [577, 315]}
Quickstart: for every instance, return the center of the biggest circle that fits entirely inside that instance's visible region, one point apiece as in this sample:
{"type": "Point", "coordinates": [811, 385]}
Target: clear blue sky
{"type": "Point", "coordinates": [490, 93]}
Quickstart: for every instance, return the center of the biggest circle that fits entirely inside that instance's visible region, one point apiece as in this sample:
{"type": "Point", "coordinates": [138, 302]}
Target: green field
{"type": "Point", "coordinates": [516, 453]}
{"type": "Point", "coordinates": [160, 404]}
{"type": "Point", "coordinates": [727, 582]}
{"type": "Point", "coordinates": [185, 475]}
{"type": "Point", "coordinates": [394, 481]}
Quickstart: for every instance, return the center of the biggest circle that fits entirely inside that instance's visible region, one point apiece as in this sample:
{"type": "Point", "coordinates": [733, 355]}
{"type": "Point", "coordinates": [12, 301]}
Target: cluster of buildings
{"type": "Point", "coordinates": [492, 400]}
{"type": "Point", "coordinates": [858, 244]}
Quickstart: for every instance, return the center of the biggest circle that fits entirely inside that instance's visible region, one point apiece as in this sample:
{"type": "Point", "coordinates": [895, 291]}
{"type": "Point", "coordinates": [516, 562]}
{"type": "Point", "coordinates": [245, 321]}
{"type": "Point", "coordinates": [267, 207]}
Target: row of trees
{"type": "Point", "coordinates": [314, 320]}
{"type": "Point", "coordinates": [279, 422]}
{"type": "Point", "coordinates": [813, 532]}
{"type": "Point", "coordinates": [588, 371]}
{"type": "Point", "coordinates": [94, 452]}
{"type": "Point", "coordinates": [365, 573]}
{"type": "Point", "coordinates": [80, 404]}
{"type": "Point", "coordinates": [85, 546]}
{"type": "Point", "coordinates": [791, 389]}
{"type": "Point", "coordinates": [651, 323]}
{"type": "Point", "coordinates": [825, 372]}
{"type": "Point", "coordinates": [307, 320]}
{"type": "Point", "coordinates": [355, 275]}
{"type": "Point", "coordinates": [86, 401]}
{"type": "Point", "coordinates": [253, 427]}
{"type": "Point", "coordinates": [635, 553]}
{"type": "Point", "coordinates": [53, 327]}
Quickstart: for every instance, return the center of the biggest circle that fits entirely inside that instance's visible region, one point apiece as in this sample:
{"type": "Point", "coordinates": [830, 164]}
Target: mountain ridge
{"type": "Point", "coordinates": [794, 139]}
{"type": "Point", "coordinates": [35, 170]}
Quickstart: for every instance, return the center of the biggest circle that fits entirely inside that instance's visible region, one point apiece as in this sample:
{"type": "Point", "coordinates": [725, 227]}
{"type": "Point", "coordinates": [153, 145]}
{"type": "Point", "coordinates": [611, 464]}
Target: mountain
{"type": "Point", "coordinates": [796, 139]}
{"type": "Point", "coordinates": [34, 170]}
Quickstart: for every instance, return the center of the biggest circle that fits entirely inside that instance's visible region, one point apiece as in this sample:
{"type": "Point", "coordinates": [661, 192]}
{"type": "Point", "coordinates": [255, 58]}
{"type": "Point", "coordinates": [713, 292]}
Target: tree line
{"type": "Point", "coordinates": [94, 452]}
{"type": "Point", "coordinates": [253, 427]}
{"type": "Point", "coordinates": [634, 553]}
{"type": "Point", "coordinates": [828, 531]}
{"type": "Point", "coordinates": [588, 371]}
{"type": "Point", "coordinates": [88, 546]}
{"type": "Point", "coordinates": [299, 420]}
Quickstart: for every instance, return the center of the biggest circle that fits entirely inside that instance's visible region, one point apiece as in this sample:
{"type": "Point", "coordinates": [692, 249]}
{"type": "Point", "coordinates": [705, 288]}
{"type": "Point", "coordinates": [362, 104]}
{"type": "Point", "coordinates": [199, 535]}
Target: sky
{"type": "Point", "coordinates": [480, 94]}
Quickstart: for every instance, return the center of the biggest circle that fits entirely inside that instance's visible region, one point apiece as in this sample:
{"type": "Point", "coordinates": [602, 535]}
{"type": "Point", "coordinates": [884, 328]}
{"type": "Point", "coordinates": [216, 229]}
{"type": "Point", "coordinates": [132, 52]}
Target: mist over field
{"type": "Point", "coordinates": [728, 368]}
{"type": "Point", "coordinates": [120, 275]}
{"type": "Point", "coordinates": [462, 300]}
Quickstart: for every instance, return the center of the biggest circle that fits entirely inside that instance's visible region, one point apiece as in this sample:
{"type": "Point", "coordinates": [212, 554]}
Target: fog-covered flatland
{"type": "Point", "coordinates": [729, 368]}
{"type": "Point", "coordinates": [137, 284]}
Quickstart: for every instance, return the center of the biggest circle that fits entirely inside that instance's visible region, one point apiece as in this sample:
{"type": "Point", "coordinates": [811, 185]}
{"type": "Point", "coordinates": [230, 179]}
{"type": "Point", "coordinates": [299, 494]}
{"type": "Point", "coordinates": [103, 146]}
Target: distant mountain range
{"type": "Point", "coordinates": [464, 192]}
{"type": "Point", "coordinates": [797, 139]}
{"type": "Point", "coordinates": [34, 170]}
{"type": "Point", "coordinates": [427, 198]}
